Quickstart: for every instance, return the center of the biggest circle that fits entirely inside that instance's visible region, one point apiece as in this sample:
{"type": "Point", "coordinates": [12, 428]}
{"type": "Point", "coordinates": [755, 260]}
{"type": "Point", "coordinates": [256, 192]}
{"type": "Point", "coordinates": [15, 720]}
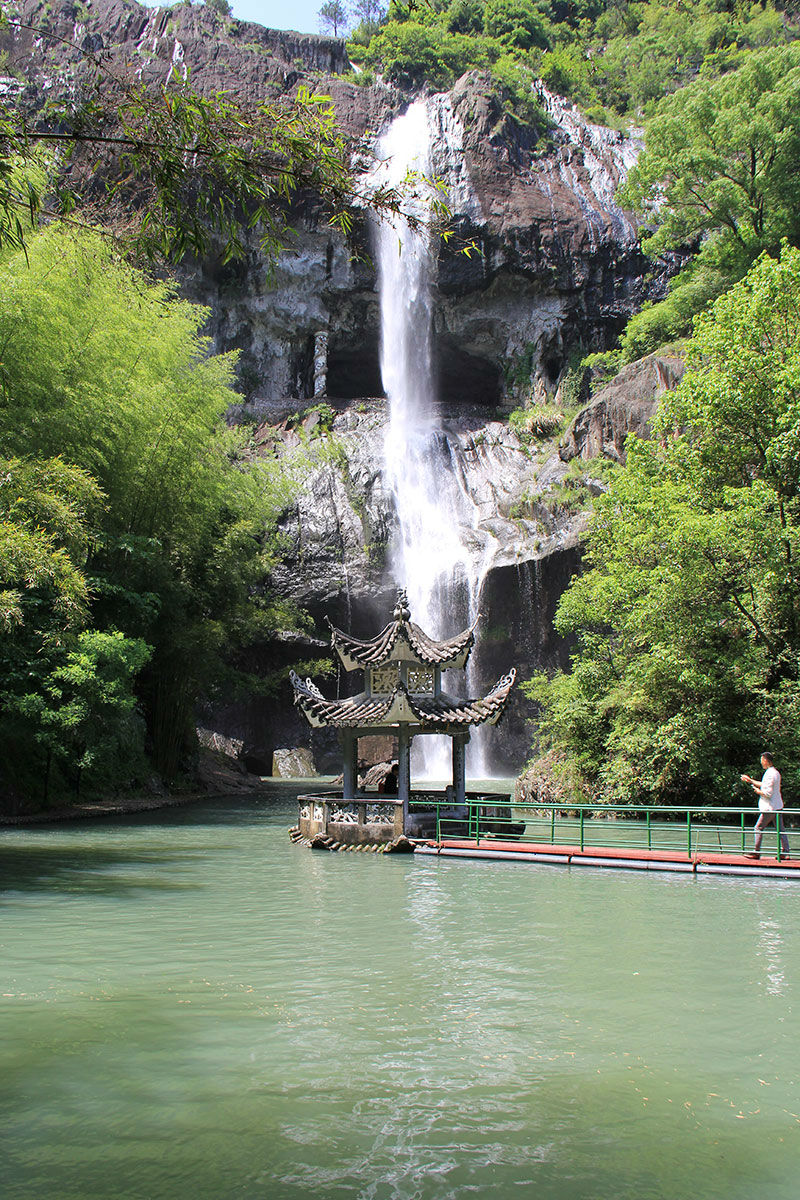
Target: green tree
{"type": "Point", "coordinates": [66, 697]}
{"type": "Point", "coordinates": [85, 712]}
{"type": "Point", "coordinates": [721, 158]}
{"type": "Point", "coordinates": [465, 16]}
{"type": "Point", "coordinates": [411, 53]}
{"type": "Point", "coordinates": [112, 371]}
{"type": "Point", "coordinates": [333, 17]}
{"type": "Point", "coordinates": [719, 168]}
{"type": "Point", "coordinates": [48, 510]}
{"type": "Point", "coordinates": [369, 14]}
{"type": "Point", "coordinates": [688, 616]}
{"type": "Point", "coordinates": [515, 23]}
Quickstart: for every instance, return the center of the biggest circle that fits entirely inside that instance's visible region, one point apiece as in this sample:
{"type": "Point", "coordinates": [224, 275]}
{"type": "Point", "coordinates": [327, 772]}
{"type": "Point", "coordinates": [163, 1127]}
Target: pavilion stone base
{"type": "Point", "coordinates": [364, 821]}
{"type": "Point", "coordinates": [373, 820]}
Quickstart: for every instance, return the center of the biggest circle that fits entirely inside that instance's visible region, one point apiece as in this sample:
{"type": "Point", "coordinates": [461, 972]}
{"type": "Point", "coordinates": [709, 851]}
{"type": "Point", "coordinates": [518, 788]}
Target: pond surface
{"type": "Point", "coordinates": [193, 1008]}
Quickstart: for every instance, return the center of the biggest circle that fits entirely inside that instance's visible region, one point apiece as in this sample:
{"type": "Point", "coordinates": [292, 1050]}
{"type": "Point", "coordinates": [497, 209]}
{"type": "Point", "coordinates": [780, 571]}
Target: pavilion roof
{"type": "Point", "coordinates": [402, 639]}
{"type": "Point", "coordinates": [432, 713]}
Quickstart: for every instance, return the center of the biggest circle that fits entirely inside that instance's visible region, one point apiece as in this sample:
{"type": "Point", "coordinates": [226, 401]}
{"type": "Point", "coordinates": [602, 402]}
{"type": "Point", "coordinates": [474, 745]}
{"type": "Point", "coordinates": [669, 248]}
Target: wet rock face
{"type": "Point", "coordinates": [155, 44]}
{"type": "Point", "coordinates": [339, 532]}
{"type": "Point", "coordinates": [558, 264]}
{"type": "Point", "coordinates": [520, 602]}
{"type": "Point", "coordinates": [295, 762]}
{"type": "Point", "coordinates": [338, 538]}
{"type": "Point", "coordinates": [626, 405]}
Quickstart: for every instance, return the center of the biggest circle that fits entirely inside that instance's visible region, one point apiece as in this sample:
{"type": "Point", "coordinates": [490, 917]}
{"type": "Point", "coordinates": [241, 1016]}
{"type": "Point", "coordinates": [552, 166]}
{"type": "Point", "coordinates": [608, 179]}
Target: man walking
{"type": "Point", "coordinates": [770, 802]}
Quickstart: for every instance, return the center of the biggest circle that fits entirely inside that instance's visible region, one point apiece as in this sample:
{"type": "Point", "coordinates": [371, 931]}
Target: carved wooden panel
{"type": "Point", "coordinates": [384, 680]}
{"type": "Point", "coordinates": [420, 679]}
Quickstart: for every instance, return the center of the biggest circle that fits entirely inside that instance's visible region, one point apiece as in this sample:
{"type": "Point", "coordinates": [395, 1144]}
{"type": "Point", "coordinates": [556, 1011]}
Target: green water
{"type": "Point", "coordinates": [191, 1007]}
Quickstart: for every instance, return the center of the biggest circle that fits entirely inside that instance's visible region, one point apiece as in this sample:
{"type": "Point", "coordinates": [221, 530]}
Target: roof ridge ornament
{"type": "Point", "coordinates": [401, 639]}
{"type": "Point", "coordinates": [402, 611]}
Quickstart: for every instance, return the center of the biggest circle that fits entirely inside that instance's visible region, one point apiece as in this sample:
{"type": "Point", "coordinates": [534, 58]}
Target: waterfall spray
{"type": "Point", "coordinates": [438, 555]}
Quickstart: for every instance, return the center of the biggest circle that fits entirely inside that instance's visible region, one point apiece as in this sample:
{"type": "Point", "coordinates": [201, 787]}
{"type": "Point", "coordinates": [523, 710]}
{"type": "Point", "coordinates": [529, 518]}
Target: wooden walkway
{"type": "Point", "coordinates": [701, 863]}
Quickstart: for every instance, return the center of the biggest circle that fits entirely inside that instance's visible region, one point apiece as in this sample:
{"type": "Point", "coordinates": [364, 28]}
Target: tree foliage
{"type": "Point", "coordinates": [718, 171]}
{"type": "Point", "coordinates": [171, 170]}
{"type": "Point", "coordinates": [333, 17]}
{"type": "Point", "coordinates": [48, 512]}
{"type": "Point", "coordinates": [721, 158]}
{"type": "Point", "coordinates": [130, 507]}
{"type": "Point", "coordinates": [614, 60]}
{"type": "Point", "coordinates": [412, 54]}
{"type": "Point", "coordinates": [85, 713]}
{"type": "Point", "coordinates": [183, 172]}
{"type": "Point", "coordinates": [688, 617]}
{"type": "Point", "coordinates": [515, 23]}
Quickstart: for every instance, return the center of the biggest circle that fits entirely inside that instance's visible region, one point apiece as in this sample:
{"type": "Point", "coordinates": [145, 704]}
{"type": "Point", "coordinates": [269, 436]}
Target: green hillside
{"type": "Point", "coordinates": [616, 61]}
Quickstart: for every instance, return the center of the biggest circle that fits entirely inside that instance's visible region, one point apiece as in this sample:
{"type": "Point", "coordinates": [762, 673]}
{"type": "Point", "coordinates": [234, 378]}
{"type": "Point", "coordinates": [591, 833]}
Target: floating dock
{"type": "Point", "coordinates": [701, 862]}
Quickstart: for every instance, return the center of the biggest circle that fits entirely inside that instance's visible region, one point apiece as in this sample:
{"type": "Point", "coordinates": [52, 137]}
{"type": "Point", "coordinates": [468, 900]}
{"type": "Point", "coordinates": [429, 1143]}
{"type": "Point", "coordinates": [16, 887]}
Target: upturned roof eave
{"type": "Point", "coordinates": [402, 641]}
{"type": "Point", "coordinates": [417, 712]}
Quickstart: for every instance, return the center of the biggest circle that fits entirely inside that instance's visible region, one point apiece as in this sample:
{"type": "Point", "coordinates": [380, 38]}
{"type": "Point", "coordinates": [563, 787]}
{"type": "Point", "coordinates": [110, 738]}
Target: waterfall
{"type": "Point", "coordinates": [438, 554]}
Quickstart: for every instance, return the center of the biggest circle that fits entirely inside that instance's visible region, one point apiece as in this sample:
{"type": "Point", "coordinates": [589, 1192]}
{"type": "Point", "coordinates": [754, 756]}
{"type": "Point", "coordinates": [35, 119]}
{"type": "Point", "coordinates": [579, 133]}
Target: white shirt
{"type": "Point", "coordinates": [770, 799]}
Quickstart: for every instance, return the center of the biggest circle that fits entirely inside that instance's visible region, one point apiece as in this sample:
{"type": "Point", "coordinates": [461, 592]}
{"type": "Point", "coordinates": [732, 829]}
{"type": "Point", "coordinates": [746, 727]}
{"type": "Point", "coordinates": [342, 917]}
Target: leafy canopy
{"type": "Point", "coordinates": [718, 169]}
{"type": "Point", "coordinates": [721, 157]}
{"type": "Point", "coordinates": [48, 511]}
{"type": "Point", "coordinates": [613, 60]}
{"type": "Point", "coordinates": [151, 524]}
{"type": "Point", "coordinates": [688, 616]}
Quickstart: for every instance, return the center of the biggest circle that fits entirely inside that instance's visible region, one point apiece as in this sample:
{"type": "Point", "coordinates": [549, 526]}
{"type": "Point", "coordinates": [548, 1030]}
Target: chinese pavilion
{"type": "Point", "coordinates": [402, 697]}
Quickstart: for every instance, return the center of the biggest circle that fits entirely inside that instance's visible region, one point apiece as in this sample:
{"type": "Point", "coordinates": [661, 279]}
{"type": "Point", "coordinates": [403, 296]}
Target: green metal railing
{"type": "Point", "coordinates": [634, 827]}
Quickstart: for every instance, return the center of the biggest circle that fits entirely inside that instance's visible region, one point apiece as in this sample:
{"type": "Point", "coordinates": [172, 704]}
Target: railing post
{"type": "Point", "coordinates": [477, 823]}
{"type": "Point", "coordinates": [649, 843]}
{"type": "Point", "coordinates": [581, 829]}
{"type": "Point", "coordinates": [553, 826]}
{"type": "Point", "coordinates": [778, 833]}
{"type": "Point", "coordinates": [689, 833]}
{"type": "Point", "coordinates": [744, 841]}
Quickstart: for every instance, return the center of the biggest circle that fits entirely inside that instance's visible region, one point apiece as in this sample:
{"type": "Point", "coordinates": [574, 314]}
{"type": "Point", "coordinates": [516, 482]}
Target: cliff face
{"type": "Point", "coordinates": [49, 41]}
{"type": "Point", "coordinates": [558, 269]}
{"type": "Point", "coordinates": [558, 263]}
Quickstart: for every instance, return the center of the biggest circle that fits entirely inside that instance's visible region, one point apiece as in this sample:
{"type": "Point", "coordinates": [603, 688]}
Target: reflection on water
{"type": "Point", "coordinates": [771, 950]}
{"type": "Point", "coordinates": [194, 1008]}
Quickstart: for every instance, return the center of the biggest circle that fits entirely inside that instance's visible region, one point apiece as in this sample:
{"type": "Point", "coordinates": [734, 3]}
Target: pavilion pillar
{"type": "Point", "coordinates": [460, 768]}
{"type": "Point", "coordinates": [404, 770]}
{"type": "Point", "coordinates": [349, 766]}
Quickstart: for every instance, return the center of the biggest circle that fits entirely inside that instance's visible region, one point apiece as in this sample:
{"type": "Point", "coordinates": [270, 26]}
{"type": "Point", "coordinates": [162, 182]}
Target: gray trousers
{"type": "Point", "coordinates": [765, 819]}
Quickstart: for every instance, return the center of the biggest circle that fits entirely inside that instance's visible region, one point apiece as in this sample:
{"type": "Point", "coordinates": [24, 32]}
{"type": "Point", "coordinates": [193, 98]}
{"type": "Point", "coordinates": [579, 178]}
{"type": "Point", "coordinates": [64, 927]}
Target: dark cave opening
{"type": "Point", "coordinates": [354, 371]}
{"type": "Point", "coordinates": [464, 378]}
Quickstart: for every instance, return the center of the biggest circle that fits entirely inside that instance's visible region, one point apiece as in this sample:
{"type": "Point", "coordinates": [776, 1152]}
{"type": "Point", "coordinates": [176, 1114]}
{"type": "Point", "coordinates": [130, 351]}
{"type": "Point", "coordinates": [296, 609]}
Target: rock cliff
{"type": "Point", "coordinates": [559, 272]}
{"type": "Point", "coordinates": [559, 264]}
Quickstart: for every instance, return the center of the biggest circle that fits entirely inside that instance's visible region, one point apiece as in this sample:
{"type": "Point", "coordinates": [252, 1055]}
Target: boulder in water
{"type": "Point", "coordinates": [401, 845]}
{"type": "Point", "coordinates": [296, 763]}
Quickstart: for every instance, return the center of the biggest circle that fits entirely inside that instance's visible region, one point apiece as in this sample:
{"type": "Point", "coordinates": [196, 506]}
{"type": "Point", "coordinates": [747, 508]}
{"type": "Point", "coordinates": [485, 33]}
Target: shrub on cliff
{"type": "Point", "coordinates": [412, 54]}
{"type": "Point", "coordinates": [515, 23]}
{"type": "Point", "coordinates": [615, 61]}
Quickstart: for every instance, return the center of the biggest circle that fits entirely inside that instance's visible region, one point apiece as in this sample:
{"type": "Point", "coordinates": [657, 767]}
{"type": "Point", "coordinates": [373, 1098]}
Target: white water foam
{"type": "Point", "coordinates": [438, 554]}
